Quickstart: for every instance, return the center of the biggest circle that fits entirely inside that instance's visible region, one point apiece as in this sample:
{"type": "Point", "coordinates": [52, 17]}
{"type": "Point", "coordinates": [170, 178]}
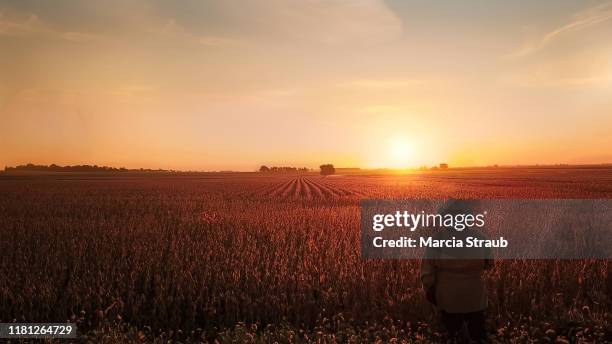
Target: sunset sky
{"type": "Point", "coordinates": [207, 85]}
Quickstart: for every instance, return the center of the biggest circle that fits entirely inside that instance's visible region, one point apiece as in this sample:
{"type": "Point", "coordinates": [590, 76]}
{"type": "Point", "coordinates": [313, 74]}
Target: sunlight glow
{"type": "Point", "coordinates": [400, 153]}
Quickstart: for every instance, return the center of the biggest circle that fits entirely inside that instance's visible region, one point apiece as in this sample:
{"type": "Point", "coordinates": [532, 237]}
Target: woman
{"type": "Point", "coordinates": [453, 279]}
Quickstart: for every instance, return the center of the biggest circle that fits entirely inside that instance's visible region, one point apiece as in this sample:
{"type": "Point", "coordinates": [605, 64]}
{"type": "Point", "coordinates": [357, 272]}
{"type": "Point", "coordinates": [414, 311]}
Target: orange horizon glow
{"type": "Point", "coordinates": [370, 84]}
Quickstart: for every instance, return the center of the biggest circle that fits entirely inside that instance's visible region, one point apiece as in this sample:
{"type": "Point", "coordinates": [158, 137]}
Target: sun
{"type": "Point", "coordinates": [399, 153]}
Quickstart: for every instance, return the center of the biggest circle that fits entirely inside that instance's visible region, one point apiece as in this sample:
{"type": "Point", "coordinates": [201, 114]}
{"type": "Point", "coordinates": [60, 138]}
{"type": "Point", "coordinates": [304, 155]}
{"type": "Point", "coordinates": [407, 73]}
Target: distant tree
{"type": "Point", "coordinates": [327, 169]}
{"type": "Point", "coordinates": [282, 169]}
{"type": "Point", "coordinates": [75, 168]}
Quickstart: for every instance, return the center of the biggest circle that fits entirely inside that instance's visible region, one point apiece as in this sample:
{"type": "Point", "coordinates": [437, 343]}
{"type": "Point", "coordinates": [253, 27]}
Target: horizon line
{"type": "Point", "coordinates": [102, 168]}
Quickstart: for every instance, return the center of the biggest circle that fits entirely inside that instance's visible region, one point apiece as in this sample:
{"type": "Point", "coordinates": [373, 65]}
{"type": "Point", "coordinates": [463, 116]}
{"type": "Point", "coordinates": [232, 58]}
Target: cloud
{"type": "Point", "coordinates": [79, 36]}
{"type": "Point", "coordinates": [277, 23]}
{"type": "Point", "coordinates": [335, 22]}
{"type": "Point", "coordinates": [21, 26]}
{"type": "Point", "coordinates": [286, 21]}
{"type": "Point", "coordinates": [173, 30]}
{"type": "Point", "coordinates": [580, 21]}
{"type": "Point", "coordinates": [225, 23]}
{"type": "Point", "coordinates": [218, 41]}
{"type": "Point", "coordinates": [536, 80]}
{"type": "Point", "coordinates": [573, 55]}
{"type": "Point", "coordinates": [575, 69]}
{"type": "Point", "coordinates": [384, 84]}
{"type": "Point", "coordinates": [32, 25]}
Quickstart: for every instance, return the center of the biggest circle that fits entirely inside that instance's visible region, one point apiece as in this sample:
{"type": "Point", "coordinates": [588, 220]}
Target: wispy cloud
{"type": "Point", "coordinates": [293, 22]}
{"type": "Point", "coordinates": [537, 81]}
{"type": "Point", "coordinates": [172, 29]}
{"type": "Point", "coordinates": [32, 25]}
{"type": "Point", "coordinates": [21, 26]}
{"type": "Point", "coordinates": [580, 21]}
{"type": "Point", "coordinates": [336, 22]}
{"type": "Point", "coordinates": [384, 84]}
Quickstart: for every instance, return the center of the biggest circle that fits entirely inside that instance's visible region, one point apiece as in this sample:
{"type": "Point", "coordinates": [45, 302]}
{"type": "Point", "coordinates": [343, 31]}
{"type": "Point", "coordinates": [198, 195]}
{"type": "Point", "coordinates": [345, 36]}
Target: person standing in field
{"type": "Point", "coordinates": [453, 281]}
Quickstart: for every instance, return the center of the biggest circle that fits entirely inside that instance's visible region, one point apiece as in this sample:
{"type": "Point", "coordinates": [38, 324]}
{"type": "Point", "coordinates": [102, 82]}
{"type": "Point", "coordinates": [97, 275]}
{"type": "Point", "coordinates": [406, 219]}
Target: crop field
{"type": "Point", "coordinates": [250, 257]}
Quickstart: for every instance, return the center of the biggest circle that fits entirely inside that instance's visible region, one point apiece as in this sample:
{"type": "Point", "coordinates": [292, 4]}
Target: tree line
{"type": "Point", "coordinates": [282, 169]}
{"type": "Point", "coordinates": [74, 168]}
{"type": "Point", "coordinates": [326, 169]}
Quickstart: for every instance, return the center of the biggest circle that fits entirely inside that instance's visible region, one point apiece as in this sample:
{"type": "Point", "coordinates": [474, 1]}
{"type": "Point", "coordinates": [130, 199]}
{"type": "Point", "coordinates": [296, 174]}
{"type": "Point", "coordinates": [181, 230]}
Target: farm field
{"type": "Point", "coordinates": [250, 257]}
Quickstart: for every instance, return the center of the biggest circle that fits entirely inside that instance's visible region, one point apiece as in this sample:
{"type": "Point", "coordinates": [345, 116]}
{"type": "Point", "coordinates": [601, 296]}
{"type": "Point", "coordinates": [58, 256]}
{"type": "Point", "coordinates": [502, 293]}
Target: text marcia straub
{"type": "Point", "coordinates": [402, 242]}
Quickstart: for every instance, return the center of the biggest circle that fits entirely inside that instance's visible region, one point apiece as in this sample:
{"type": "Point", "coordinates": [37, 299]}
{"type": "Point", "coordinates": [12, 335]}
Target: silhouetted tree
{"type": "Point", "coordinates": [282, 169]}
{"type": "Point", "coordinates": [75, 168]}
{"type": "Point", "coordinates": [327, 169]}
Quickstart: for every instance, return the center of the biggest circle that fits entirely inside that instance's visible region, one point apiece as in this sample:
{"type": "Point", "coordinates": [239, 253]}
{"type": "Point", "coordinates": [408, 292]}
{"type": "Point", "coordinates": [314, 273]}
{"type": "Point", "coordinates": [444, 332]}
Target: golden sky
{"type": "Point", "coordinates": [207, 85]}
